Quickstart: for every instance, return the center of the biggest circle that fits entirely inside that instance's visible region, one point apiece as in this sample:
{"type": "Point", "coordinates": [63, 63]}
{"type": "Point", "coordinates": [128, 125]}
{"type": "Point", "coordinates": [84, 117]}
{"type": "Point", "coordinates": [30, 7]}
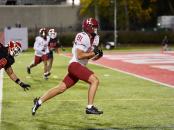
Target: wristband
{"type": "Point", "coordinates": [18, 81]}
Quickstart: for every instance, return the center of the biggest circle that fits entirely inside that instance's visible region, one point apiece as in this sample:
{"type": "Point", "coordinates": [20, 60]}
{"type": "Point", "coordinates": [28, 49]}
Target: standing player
{"type": "Point", "coordinates": [84, 48]}
{"type": "Point", "coordinates": [53, 46]}
{"type": "Point", "coordinates": [41, 50]}
{"type": "Point", "coordinates": [7, 60]}
{"type": "Point", "coordinates": [165, 44]}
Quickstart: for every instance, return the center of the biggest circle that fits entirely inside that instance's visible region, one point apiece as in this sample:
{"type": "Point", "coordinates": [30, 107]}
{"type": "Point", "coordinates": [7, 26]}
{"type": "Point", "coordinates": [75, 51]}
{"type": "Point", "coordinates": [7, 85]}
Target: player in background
{"type": "Point", "coordinates": [53, 46]}
{"type": "Point", "coordinates": [84, 48]}
{"type": "Point", "coordinates": [41, 50]}
{"type": "Point", "coordinates": [165, 44]}
{"type": "Point", "coordinates": [7, 54]}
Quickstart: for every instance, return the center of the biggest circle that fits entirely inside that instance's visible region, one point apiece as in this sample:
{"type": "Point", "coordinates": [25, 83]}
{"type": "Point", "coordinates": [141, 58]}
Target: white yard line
{"type": "Point", "coordinates": [1, 86]}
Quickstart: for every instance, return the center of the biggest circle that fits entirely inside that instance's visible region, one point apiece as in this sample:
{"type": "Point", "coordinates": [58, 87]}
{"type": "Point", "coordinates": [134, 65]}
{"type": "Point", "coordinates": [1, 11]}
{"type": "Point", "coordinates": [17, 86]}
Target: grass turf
{"type": "Point", "coordinates": [128, 102]}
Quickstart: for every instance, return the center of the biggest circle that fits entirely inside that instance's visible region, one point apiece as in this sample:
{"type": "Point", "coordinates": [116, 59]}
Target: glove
{"type": "Point", "coordinates": [100, 53]}
{"type": "Point", "coordinates": [96, 50]}
{"type": "Point", "coordinates": [25, 86]}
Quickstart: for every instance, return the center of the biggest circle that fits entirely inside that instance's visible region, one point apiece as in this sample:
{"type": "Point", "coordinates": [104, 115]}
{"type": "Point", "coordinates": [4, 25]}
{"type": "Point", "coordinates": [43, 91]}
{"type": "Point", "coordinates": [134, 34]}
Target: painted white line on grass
{"type": "Point", "coordinates": [1, 86]}
{"type": "Point", "coordinates": [138, 76]}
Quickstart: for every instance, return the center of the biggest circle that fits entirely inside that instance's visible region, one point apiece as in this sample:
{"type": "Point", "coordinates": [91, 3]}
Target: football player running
{"type": "Point", "coordinates": [84, 48]}
{"type": "Point", "coordinates": [41, 50]}
{"type": "Point", "coordinates": [53, 45]}
{"type": "Point", "coordinates": [7, 54]}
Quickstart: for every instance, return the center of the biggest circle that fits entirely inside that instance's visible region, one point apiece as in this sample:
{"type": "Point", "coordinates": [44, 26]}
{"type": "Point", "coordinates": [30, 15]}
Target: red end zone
{"type": "Point", "coordinates": [157, 67]}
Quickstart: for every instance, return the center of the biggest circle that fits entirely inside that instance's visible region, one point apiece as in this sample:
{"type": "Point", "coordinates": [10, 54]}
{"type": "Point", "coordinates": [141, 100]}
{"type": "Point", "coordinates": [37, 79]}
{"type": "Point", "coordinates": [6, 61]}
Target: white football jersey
{"type": "Point", "coordinates": [82, 42]}
{"type": "Point", "coordinates": [41, 46]}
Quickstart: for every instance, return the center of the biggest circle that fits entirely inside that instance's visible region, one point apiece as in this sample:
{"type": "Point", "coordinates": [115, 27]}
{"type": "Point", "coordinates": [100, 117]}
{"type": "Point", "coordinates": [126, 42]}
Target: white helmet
{"type": "Point", "coordinates": [52, 33]}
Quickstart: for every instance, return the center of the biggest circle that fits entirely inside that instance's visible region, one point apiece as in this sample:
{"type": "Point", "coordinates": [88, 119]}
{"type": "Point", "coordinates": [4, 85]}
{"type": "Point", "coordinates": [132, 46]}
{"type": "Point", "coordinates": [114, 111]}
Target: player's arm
{"type": "Point", "coordinates": [84, 55]}
{"type": "Point", "coordinates": [13, 76]}
{"type": "Point", "coordinates": [98, 53]}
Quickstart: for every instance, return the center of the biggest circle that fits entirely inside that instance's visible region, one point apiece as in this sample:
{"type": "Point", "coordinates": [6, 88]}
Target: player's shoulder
{"type": "Point", "coordinates": [83, 34]}
{"type": "Point", "coordinates": [38, 38]}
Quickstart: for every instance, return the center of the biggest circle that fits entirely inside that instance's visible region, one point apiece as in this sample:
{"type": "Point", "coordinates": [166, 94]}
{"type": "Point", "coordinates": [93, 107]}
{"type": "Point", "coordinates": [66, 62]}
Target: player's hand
{"type": "Point", "coordinates": [98, 51]}
{"type": "Point", "coordinates": [25, 86]}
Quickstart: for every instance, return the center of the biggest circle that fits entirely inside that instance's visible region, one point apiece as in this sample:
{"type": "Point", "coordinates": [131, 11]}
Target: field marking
{"type": "Point", "coordinates": [1, 88]}
{"type": "Point", "coordinates": [135, 75]}
{"type": "Point", "coordinates": [125, 72]}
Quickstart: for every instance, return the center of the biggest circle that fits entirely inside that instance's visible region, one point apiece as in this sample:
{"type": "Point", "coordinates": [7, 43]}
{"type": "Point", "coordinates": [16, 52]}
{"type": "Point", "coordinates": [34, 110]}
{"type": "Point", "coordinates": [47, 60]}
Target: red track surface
{"type": "Point", "coordinates": [157, 67]}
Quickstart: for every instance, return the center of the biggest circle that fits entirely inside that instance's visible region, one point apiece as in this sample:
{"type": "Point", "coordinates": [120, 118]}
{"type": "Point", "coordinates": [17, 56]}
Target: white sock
{"type": "Point", "coordinates": [46, 73]}
{"type": "Point", "coordinates": [89, 106]}
{"type": "Point", "coordinates": [40, 102]}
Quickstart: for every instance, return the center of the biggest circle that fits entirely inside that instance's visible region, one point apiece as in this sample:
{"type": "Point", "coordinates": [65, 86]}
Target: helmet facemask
{"type": "Point", "coordinates": [52, 33]}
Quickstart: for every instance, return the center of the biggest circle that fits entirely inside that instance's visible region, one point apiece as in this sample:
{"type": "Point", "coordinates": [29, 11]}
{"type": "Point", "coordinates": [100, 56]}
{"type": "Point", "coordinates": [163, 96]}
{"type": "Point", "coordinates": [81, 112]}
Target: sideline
{"type": "Point", "coordinates": [1, 86]}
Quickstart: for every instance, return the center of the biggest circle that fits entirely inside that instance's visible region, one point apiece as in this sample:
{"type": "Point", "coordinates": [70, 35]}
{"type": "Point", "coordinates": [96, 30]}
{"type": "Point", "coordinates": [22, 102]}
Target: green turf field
{"type": "Point", "coordinates": [128, 102]}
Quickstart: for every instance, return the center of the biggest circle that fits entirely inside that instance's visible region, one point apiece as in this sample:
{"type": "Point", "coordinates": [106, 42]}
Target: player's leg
{"type": "Point", "coordinates": [83, 73]}
{"type": "Point", "coordinates": [45, 60]}
{"type": "Point", "coordinates": [68, 82]}
{"type": "Point", "coordinates": [94, 82]}
{"type": "Point", "coordinates": [50, 61]}
{"type": "Point", "coordinates": [34, 63]}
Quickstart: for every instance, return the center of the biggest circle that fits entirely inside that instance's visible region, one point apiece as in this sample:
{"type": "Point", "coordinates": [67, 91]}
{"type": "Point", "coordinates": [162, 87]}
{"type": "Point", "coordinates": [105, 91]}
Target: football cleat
{"type": "Point", "coordinates": [36, 106]}
{"type": "Point", "coordinates": [93, 110]}
{"type": "Point", "coordinates": [45, 77]}
{"type": "Point", "coordinates": [28, 70]}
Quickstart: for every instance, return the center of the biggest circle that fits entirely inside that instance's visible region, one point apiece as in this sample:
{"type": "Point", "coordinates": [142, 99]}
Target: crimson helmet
{"type": "Point", "coordinates": [14, 48]}
{"type": "Point", "coordinates": [43, 32]}
{"type": "Point", "coordinates": [52, 33]}
{"type": "Point", "coordinates": [90, 25]}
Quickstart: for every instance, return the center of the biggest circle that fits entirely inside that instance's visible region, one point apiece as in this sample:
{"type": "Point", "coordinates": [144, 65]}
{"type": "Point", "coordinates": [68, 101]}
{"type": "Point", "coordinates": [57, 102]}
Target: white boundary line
{"type": "Point", "coordinates": [1, 89]}
{"type": "Point", "coordinates": [138, 76]}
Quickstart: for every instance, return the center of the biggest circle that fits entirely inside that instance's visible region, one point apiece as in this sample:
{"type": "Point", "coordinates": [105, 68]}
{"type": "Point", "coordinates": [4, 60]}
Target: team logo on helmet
{"type": "Point", "coordinates": [90, 25]}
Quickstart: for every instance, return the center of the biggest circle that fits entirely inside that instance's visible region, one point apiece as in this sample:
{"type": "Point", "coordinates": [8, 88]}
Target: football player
{"type": "Point", "coordinates": [53, 46]}
{"type": "Point", "coordinates": [165, 44]}
{"type": "Point", "coordinates": [41, 50]}
{"type": "Point", "coordinates": [85, 47]}
{"type": "Point", "coordinates": [7, 54]}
